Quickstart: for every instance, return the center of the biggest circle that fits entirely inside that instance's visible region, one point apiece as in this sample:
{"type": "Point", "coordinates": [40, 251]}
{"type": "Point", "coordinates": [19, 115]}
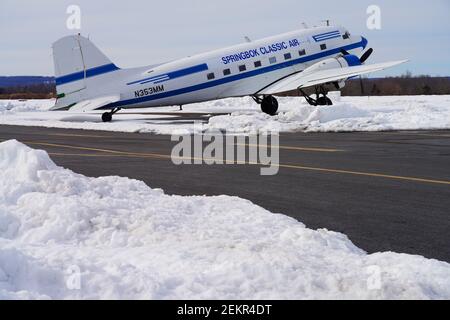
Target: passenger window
{"type": "Point", "coordinates": [226, 72]}
{"type": "Point", "coordinates": [242, 68]}
{"type": "Point", "coordinates": [323, 46]}
{"type": "Point", "coordinates": [287, 56]}
{"type": "Point", "coordinates": [272, 60]}
{"type": "Point", "coordinates": [211, 76]}
{"type": "Point", "coordinates": [258, 64]}
{"type": "Point", "coordinates": [302, 52]}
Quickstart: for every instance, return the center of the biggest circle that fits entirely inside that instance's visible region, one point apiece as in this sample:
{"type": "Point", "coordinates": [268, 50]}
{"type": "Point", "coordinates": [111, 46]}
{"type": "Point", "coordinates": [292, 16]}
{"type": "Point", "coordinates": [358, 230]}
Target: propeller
{"type": "Point", "coordinates": [363, 58]}
{"type": "Point", "coordinates": [366, 55]}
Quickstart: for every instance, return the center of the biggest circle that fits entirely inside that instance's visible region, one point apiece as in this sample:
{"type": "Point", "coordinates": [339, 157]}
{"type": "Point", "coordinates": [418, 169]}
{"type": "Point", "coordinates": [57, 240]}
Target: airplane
{"type": "Point", "coordinates": [317, 57]}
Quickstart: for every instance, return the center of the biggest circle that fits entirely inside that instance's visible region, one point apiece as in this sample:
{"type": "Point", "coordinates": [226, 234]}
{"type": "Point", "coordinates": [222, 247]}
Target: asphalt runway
{"type": "Point", "coordinates": [388, 191]}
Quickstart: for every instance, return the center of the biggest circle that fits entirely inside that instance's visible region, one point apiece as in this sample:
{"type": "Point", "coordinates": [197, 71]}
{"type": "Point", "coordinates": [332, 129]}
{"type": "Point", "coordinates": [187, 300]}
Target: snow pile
{"type": "Point", "coordinates": [15, 106]}
{"type": "Point", "coordinates": [244, 116]}
{"type": "Point", "coordinates": [347, 114]}
{"type": "Point", "coordinates": [64, 235]}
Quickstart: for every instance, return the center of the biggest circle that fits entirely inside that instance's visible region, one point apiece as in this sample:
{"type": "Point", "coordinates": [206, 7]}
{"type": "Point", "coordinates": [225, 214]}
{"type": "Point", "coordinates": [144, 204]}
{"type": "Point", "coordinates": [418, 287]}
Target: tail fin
{"type": "Point", "coordinates": [77, 60]}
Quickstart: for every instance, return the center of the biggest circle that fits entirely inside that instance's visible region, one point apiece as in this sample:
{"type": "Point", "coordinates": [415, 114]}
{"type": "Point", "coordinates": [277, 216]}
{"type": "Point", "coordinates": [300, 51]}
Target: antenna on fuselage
{"type": "Point", "coordinates": [327, 22]}
{"type": "Point", "coordinates": [304, 25]}
{"type": "Point", "coordinates": [247, 39]}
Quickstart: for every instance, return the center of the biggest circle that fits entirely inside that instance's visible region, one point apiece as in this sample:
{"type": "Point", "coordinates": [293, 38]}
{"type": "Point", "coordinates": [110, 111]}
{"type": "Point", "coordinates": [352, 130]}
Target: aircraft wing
{"type": "Point", "coordinates": [308, 79]}
{"type": "Point", "coordinates": [91, 104]}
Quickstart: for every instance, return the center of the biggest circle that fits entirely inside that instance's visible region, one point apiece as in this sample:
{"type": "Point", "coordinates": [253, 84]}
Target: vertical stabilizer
{"type": "Point", "coordinates": [77, 62]}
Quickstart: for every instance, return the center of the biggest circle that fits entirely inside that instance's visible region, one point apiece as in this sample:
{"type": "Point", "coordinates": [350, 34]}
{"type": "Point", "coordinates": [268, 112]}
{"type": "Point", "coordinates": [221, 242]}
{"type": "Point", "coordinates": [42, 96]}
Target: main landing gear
{"type": "Point", "coordinates": [107, 116]}
{"type": "Point", "coordinates": [269, 104]}
{"type": "Point", "coordinates": [321, 97]}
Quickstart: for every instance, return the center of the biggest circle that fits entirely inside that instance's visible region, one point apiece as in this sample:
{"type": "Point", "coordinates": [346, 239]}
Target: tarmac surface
{"type": "Point", "coordinates": [387, 191]}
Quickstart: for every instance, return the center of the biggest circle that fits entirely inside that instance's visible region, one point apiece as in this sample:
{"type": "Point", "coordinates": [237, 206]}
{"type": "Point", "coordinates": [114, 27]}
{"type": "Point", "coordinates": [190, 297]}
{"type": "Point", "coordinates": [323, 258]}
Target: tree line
{"type": "Point", "coordinates": [403, 85]}
{"type": "Point", "coordinates": [33, 91]}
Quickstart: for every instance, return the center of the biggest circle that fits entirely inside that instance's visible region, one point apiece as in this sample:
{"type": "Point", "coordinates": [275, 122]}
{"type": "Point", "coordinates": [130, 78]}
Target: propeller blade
{"type": "Point", "coordinates": [345, 52]}
{"type": "Point", "coordinates": [366, 55]}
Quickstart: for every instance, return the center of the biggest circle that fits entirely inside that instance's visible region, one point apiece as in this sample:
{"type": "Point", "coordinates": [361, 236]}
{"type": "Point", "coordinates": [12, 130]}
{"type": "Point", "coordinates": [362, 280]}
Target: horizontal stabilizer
{"type": "Point", "coordinates": [304, 79]}
{"type": "Point", "coordinates": [91, 104]}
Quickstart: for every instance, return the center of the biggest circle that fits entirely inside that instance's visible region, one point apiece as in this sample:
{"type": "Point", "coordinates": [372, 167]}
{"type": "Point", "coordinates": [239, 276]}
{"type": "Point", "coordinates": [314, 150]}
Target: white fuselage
{"type": "Point", "coordinates": [241, 70]}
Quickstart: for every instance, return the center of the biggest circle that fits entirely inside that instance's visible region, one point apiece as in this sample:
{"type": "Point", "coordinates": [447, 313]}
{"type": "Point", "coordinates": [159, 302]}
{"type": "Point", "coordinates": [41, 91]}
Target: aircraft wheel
{"type": "Point", "coordinates": [324, 101]}
{"type": "Point", "coordinates": [107, 117]}
{"type": "Point", "coordinates": [269, 105]}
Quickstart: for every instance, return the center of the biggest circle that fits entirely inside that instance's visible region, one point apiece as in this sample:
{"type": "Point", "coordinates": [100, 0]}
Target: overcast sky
{"type": "Point", "coordinates": [138, 32]}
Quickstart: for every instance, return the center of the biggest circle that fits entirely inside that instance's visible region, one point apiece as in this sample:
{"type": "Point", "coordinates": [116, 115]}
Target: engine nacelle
{"type": "Point", "coordinates": [334, 63]}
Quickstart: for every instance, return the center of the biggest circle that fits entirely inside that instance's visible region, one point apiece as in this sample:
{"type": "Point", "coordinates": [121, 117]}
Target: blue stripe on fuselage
{"type": "Point", "coordinates": [174, 74]}
{"type": "Point", "coordinates": [326, 33]}
{"type": "Point", "coordinates": [89, 73]}
{"type": "Point", "coordinates": [327, 38]}
{"type": "Point", "coordinates": [236, 77]}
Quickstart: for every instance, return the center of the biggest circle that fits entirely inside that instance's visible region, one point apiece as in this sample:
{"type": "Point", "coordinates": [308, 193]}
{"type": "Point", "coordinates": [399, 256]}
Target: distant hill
{"type": "Point", "coordinates": [21, 81]}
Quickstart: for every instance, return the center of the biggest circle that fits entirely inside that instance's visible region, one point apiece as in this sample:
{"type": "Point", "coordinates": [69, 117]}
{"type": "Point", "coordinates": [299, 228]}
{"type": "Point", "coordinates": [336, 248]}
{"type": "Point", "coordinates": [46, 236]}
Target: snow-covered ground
{"type": "Point", "coordinates": [128, 240]}
{"type": "Point", "coordinates": [348, 114]}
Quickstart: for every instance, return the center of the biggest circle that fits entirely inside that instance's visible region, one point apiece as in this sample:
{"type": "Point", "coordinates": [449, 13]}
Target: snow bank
{"type": "Point", "coordinates": [348, 114]}
{"type": "Point", "coordinates": [122, 239]}
{"type": "Point", "coordinates": [14, 106]}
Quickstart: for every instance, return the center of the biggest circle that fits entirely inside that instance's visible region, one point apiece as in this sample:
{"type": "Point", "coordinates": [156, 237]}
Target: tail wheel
{"type": "Point", "coordinates": [107, 116]}
{"type": "Point", "coordinates": [269, 105]}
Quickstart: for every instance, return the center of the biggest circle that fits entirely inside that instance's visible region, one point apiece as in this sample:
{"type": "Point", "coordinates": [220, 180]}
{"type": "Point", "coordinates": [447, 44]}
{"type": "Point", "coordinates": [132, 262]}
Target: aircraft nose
{"type": "Point", "coordinates": [365, 42]}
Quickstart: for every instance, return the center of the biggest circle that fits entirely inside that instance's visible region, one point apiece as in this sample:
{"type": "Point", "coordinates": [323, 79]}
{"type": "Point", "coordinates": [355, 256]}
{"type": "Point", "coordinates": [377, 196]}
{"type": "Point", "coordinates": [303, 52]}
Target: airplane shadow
{"type": "Point", "coordinates": [166, 118]}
